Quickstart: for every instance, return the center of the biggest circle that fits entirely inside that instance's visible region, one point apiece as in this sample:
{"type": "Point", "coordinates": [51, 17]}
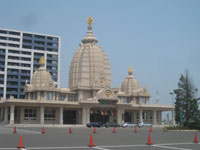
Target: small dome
{"type": "Point", "coordinates": [130, 84]}
{"type": "Point", "coordinates": [90, 67]}
{"type": "Point", "coordinates": [41, 78]}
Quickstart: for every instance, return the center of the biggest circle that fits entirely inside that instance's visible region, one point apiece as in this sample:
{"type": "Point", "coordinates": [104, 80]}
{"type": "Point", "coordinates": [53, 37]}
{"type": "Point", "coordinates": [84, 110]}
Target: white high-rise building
{"type": "Point", "coordinates": [20, 52]}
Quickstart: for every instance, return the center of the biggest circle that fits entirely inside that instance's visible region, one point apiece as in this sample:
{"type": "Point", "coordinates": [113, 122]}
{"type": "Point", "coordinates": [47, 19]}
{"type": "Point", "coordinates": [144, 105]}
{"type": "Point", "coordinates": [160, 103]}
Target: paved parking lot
{"type": "Point", "coordinates": [104, 139]}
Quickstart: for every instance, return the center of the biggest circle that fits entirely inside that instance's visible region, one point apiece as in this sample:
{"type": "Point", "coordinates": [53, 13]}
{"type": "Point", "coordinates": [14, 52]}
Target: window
{"type": "Point", "coordinates": [12, 77]}
{"type": "Point", "coordinates": [143, 100]}
{"type": "Point", "coordinates": [13, 70]}
{"type": "Point", "coordinates": [2, 38]}
{"type": "Point", "coordinates": [2, 44]}
{"type": "Point", "coordinates": [25, 65]}
{"type": "Point", "coordinates": [137, 100]}
{"type": "Point", "coordinates": [27, 41]}
{"type": "Point", "coordinates": [13, 51]}
{"type": "Point", "coordinates": [3, 31]}
{"type": "Point", "coordinates": [124, 100]}
{"type": "Point", "coordinates": [72, 98]}
{"type": "Point", "coordinates": [26, 53]}
{"type": "Point", "coordinates": [33, 96]}
{"type": "Point", "coordinates": [26, 46]}
{"type": "Point", "coordinates": [1, 75]}
{"type": "Point", "coordinates": [50, 38]}
{"type": "Point", "coordinates": [2, 50]}
{"type": "Point", "coordinates": [25, 78]}
{"type": "Point", "coordinates": [49, 114]}
{"type": "Point", "coordinates": [25, 71]}
{"type": "Point", "coordinates": [39, 42]}
{"type": "Point", "coordinates": [38, 48]}
{"type": "Point", "coordinates": [137, 115]}
{"type": "Point", "coordinates": [151, 115]}
{"type": "Point", "coordinates": [38, 54]}
{"type": "Point", "coordinates": [13, 57]}
{"type": "Point", "coordinates": [12, 83]}
{"type": "Point", "coordinates": [13, 64]}
{"type": "Point", "coordinates": [39, 37]}
{"type": "Point", "coordinates": [62, 96]}
{"type": "Point", "coordinates": [49, 95]}
{"type": "Point", "coordinates": [13, 45]}
{"type": "Point", "coordinates": [13, 39]}
{"type": "Point", "coordinates": [26, 59]}
{"type": "Point", "coordinates": [14, 33]}
{"type": "Point", "coordinates": [27, 35]}
{"type": "Point", "coordinates": [30, 114]}
{"type": "Point", "coordinates": [144, 115]}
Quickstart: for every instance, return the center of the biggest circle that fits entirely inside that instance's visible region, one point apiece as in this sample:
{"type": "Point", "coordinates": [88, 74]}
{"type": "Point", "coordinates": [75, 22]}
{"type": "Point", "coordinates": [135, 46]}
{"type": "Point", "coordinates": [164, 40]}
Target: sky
{"type": "Point", "coordinates": [159, 38]}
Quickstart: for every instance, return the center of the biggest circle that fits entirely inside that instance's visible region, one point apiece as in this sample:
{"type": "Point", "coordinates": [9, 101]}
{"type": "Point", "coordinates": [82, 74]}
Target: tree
{"type": "Point", "coordinates": [186, 105]}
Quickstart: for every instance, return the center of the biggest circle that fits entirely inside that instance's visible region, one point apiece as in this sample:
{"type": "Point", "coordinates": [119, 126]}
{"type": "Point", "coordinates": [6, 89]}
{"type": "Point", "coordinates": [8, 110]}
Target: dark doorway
{"type": "Point", "coordinates": [99, 118]}
{"type": "Point", "coordinates": [127, 117]}
{"type": "Point", "coordinates": [69, 117]}
{"type": "Point", "coordinates": [17, 115]}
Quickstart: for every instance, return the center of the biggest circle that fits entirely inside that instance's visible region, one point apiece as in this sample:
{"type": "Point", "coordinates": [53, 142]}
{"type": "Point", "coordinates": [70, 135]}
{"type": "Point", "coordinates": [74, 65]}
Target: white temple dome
{"type": "Point", "coordinates": [90, 67]}
{"type": "Point", "coordinates": [41, 78]}
{"type": "Point", "coordinates": [130, 84]}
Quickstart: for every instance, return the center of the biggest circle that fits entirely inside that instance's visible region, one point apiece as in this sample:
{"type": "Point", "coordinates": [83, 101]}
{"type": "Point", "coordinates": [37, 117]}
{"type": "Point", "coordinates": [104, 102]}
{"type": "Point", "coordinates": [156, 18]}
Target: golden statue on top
{"type": "Point", "coordinates": [89, 21]}
{"type": "Point", "coordinates": [130, 70]}
{"type": "Point", "coordinates": [42, 60]}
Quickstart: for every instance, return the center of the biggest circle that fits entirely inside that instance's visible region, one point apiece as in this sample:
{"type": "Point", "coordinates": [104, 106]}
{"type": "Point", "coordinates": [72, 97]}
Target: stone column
{"type": "Point", "coordinates": [79, 117]}
{"type": "Point", "coordinates": [85, 116]}
{"type": "Point", "coordinates": [120, 113]}
{"type": "Point", "coordinates": [135, 117]}
{"type": "Point", "coordinates": [141, 117]}
{"type": "Point", "coordinates": [61, 115]}
{"type": "Point", "coordinates": [6, 115]}
{"type": "Point", "coordinates": [80, 95]}
{"type": "Point", "coordinates": [154, 117]}
{"type": "Point", "coordinates": [12, 114]}
{"type": "Point", "coordinates": [160, 117]}
{"type": "Point", "coordinates": [42, 115]}
{"type": "Point", "coordinates": [173, 117]}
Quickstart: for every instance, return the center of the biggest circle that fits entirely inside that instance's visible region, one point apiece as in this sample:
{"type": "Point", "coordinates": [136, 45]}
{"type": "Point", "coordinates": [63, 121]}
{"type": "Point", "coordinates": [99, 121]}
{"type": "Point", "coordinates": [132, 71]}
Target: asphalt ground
{"type": "Point", "coordinates": [104, 139]}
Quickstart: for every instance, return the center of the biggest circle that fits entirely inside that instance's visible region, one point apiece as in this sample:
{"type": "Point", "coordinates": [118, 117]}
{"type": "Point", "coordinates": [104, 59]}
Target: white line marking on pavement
{"type": "Point", "coordinates": [8, 148]}
{"type": "Point", "coordinates": [123, 146]}
{"type": "Point", "coordinates": [21, 130]}
{"type": "Point", "coordinates": [176, 143]}
{"type": "Point", "coordinates": [170, 147]}
{"type": "Point", "coordinates": [79, 147]}
{"type": "Point", "coordinates": [100, 148]}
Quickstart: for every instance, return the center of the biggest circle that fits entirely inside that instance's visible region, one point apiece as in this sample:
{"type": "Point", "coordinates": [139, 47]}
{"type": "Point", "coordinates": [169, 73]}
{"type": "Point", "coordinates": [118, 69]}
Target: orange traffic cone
{"type": "Point", "coordinates": [94, 130]}
{"type": "Point", "coordinates": [150, 129]}
{"type": "Point", "coordinates": [70, 130]}
{"type": "Point", "coordinates": [114, 130]}
{"type": "Point", "coordinates": [43, 132]}
{"type": "Point", "coordinates": [135, 129]}
{"type": "Point", "coordinates": [20, 143]}
{"type": "Point", "coordinates": [14, 132]}
{"type": "Point", "coordinates": [149, 140]}
{"type": "Point", "coordinates": [91, 142]}
{"type": "Point", "coordinates": [165, 129]}
{"type": "Point", "coordinates": [195, 138]}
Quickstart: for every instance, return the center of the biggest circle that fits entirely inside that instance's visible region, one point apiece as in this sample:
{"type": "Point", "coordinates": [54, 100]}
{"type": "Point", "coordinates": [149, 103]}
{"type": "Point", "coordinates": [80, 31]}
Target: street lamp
{"type": "Point", "coordinates": [171, 93]}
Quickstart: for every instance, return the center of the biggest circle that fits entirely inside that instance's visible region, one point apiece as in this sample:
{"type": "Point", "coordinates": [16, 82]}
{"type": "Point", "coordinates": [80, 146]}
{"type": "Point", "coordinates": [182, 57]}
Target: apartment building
{"type": "Point", "coordinates": [20, 53]}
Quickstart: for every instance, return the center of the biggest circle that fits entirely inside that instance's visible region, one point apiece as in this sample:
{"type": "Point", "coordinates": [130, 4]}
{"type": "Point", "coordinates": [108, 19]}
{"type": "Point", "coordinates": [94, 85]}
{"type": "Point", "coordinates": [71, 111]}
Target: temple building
{"type": "Point", "coordinates": [89, 96]}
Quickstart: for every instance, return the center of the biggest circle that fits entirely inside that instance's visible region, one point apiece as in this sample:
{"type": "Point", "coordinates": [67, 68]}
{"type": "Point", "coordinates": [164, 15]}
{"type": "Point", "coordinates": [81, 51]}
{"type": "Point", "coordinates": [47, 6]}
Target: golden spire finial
{"type": "Point", "coordinates": [130, 70]}
{"type": "Point", "coordinates": [42, 61]}
{"type": "Point", "coordinates": [89, 21]}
